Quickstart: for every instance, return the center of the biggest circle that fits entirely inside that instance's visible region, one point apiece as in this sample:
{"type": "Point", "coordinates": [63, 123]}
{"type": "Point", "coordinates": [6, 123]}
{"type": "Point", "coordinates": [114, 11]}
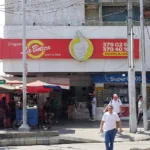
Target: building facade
{"type": "Point", "coordinates": [84, 42]}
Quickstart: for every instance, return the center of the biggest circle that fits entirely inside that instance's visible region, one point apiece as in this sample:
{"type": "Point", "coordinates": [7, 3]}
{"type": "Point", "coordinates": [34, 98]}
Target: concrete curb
{"type": "Point", "coordinates": [52, 141]}
{"type": "Point", "coordinates": [30, 141]}
{"type": "Point", "coordinates": [9, 135]}
{"type": "Point", "coordinates": [82, 140]}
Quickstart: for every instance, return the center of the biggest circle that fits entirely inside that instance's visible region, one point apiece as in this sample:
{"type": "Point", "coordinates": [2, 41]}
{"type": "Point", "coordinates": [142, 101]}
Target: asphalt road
{"type": "Point", "coordinates": [118, 146]}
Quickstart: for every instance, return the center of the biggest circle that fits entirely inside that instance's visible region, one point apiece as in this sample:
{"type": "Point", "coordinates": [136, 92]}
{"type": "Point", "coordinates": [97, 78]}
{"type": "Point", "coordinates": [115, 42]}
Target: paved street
{"type": "Point", "coordinates": [118, 146]}
{"type": "Point", "coordinates": [90, 131]}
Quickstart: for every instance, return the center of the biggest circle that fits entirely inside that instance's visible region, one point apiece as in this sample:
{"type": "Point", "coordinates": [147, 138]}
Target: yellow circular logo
{"type": "Point", "coordinates": [35, 49]}
{"type": "Point", "coordinates": [81, 48]}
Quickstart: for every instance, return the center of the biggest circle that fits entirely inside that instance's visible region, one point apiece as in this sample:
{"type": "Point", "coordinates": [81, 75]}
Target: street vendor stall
{"type": "Point", "coordinates": [34, 88]}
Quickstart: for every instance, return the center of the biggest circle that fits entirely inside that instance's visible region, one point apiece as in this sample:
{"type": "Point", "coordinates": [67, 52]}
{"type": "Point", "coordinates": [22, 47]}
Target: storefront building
{"type": "Point", "coordinates": [82, 58]}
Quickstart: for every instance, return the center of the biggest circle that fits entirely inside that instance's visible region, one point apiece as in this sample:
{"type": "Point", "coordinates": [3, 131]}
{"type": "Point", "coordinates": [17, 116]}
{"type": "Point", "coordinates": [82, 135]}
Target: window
{"type": "Point", "coordinates": [114, 13]}
{"type": "Point", "coordinates": [119, 13]}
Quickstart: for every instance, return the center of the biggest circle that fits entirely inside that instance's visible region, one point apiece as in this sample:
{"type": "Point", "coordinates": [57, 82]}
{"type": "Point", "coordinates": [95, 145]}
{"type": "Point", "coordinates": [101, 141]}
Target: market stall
{"type": "Point", "coordinates": [33, 89]}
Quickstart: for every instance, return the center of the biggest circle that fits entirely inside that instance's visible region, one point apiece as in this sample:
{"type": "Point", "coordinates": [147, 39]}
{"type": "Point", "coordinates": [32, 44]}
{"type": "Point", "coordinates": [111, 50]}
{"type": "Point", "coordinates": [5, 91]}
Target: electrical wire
{"type": "Point", "coordinates": [102, 17]}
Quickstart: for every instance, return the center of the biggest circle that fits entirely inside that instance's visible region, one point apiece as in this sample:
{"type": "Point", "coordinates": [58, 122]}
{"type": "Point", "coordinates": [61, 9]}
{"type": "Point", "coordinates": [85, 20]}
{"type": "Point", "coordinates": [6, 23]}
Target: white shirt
{"type": "Point", "coordinates": [140, 106]}
{"type": "Point", "coordinates": [116, 105]}
{"type": "Point", "coordinates": [110, 121]}
{"type": "Point", "coordinates": [94, 102]}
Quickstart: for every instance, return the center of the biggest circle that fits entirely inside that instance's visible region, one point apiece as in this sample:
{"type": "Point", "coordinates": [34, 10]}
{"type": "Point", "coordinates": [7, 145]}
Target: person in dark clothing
{"type": "Point", "coordinates": [47, 111]}
{"type": "Point", "coordinates": [71, 108]}
{"type": "Point", "coordinates": [54, 109]}
{"type": "Point", "coordinates": [12, 110]}
{"type": "Point", "coordinates": [5, 108]}
{"type": "Point", "coordinates": [89, 105]}
{"type": "Point", "coordinates": [140, 109]}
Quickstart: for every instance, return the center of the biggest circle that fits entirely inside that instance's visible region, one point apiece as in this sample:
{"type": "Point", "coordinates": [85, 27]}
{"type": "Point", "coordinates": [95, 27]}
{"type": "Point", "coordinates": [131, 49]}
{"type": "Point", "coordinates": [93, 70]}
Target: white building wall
{"type": "Point", "coordinates": [46, 13]}
{"type": "Point", "coordinates": [71, 65]}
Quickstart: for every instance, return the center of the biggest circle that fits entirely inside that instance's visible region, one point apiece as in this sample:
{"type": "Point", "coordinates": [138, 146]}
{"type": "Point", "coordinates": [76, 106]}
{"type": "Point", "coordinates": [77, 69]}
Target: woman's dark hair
{"type": "Point", "coordinates": [139, 97]}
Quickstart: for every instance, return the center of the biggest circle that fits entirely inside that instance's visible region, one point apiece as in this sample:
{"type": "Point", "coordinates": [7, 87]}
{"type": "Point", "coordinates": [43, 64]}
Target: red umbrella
{"type": "Point", "coordinates": [37, 84]}
{"type": "Point", "coordinates": [38, 87]}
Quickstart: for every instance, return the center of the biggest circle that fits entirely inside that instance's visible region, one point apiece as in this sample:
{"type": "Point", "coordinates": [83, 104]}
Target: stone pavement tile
{"type": "Point", "coordinates": [39, 140]}
{"type": "Point", "coordinates": [53, 140]}
{"type": "Point", "coordinates": [30, 141]}
{"type": "Point", "coordinates": [4, 142]}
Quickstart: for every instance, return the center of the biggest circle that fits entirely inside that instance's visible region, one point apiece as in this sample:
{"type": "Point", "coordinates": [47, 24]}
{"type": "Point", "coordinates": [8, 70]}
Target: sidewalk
{"type": "Point", "coordinates": [89, 132]}
{"type": "Point", "coordinates": [68, 132]}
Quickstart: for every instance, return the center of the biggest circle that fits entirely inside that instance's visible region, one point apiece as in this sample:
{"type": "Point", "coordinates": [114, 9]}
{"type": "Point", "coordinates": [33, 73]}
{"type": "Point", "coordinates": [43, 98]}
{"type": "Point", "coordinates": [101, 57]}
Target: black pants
{"type": "Point", "coordinates": [139, 117]}
{"type": "Point", "coordinates": [55, 111]}
{"type": "Point", "coordinates": [90, 112]}
{"type": "Point", "coordinates": [118, 114]}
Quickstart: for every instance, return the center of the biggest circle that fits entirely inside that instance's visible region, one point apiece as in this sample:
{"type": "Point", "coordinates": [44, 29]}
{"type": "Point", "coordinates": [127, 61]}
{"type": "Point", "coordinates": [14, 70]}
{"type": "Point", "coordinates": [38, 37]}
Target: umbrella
{"type": "Point", "coordinates": [52, 86]}
{"type": "Point", "coordinates": [39, 87]}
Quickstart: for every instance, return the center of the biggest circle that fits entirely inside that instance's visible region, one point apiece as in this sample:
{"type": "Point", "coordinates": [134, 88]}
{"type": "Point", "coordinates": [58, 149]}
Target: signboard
{"type": "Point", "coordinates": [117, 78]}
{"type": "Point", "coordinates": [125, 111]}
{"type": "Point", "coordinates": [2, 81]}
{"type": "Point", "coordinates": [68, 48]}
{"type": "Point", "coordinates": [99, 90]}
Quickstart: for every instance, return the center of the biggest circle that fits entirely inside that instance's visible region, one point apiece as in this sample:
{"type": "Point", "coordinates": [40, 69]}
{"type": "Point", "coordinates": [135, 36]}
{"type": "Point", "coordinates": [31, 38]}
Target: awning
{"type": "Point", "coordinates": [13, 82]}
{"type": "Point", "coordinates": [7, 87]}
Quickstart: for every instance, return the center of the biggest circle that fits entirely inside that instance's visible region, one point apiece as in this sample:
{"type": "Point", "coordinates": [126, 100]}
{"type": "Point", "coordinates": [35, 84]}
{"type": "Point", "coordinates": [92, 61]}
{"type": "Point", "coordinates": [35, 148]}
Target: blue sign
{"type": "Point", "coordinates": [117, 78]}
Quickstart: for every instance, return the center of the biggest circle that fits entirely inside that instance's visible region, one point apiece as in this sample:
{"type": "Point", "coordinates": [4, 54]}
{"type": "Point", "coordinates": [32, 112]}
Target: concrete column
{"type": "Point", "coordinates": [99, 90]}
{"type": "Point", "coordinates": [148, 99]}
{"type": "Point", "coordinates": [100, 14]}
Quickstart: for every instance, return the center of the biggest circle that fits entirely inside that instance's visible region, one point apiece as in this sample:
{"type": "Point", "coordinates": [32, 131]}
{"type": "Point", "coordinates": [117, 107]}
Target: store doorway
{"type": "Point", "coordinates": [79, 96]}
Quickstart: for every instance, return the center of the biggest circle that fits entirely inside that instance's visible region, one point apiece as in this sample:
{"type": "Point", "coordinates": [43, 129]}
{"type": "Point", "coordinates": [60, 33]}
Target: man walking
{"type": "Point", "coordinates": [116, 103]}
{"type": "Point", "coordinates": [140, 109]}
{"type": "Point", "coordinates": [109, 125]}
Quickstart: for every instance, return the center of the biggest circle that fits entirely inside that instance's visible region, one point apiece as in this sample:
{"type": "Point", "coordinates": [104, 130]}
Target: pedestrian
{"type": "Point", "coordinates": [116, 103]}
{"type": "Point", "coordinates": [71, 109]}
{"type": "Point", "coordinates": [12, 110]}
{"type": "Point", "coordinates": [140, 109]}
{"type": "Point", "coordinates": [94, 106]}
{"type": "Point", "coordinates": [109, 125]}
{"type": "Point", "coordinates": [89, 106]}
{"type": "Point", "coordinates": [5, 108]}
{"type": "Point", "coordinates": [54, 108]}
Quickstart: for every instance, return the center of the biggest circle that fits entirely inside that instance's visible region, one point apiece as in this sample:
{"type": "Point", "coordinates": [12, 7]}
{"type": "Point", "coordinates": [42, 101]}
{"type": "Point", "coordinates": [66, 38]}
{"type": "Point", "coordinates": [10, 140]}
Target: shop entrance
{"type": "Point", "coordinates": [79, 96]}
{"type": "Point", "coordinates": [120, 89]}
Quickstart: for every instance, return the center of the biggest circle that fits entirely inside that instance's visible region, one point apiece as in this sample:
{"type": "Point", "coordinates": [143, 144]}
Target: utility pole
{"type": "Point", "coordinates": [24, 126]}
{"type": "Point", "coordinates": [143, 66]}
{"type": "Point", "coordinates": [131, 71]}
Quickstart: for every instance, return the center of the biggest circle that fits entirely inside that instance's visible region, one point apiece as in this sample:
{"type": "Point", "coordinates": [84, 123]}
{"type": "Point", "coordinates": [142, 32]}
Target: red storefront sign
{"type": "Point", "coordinates": [60, 48]}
